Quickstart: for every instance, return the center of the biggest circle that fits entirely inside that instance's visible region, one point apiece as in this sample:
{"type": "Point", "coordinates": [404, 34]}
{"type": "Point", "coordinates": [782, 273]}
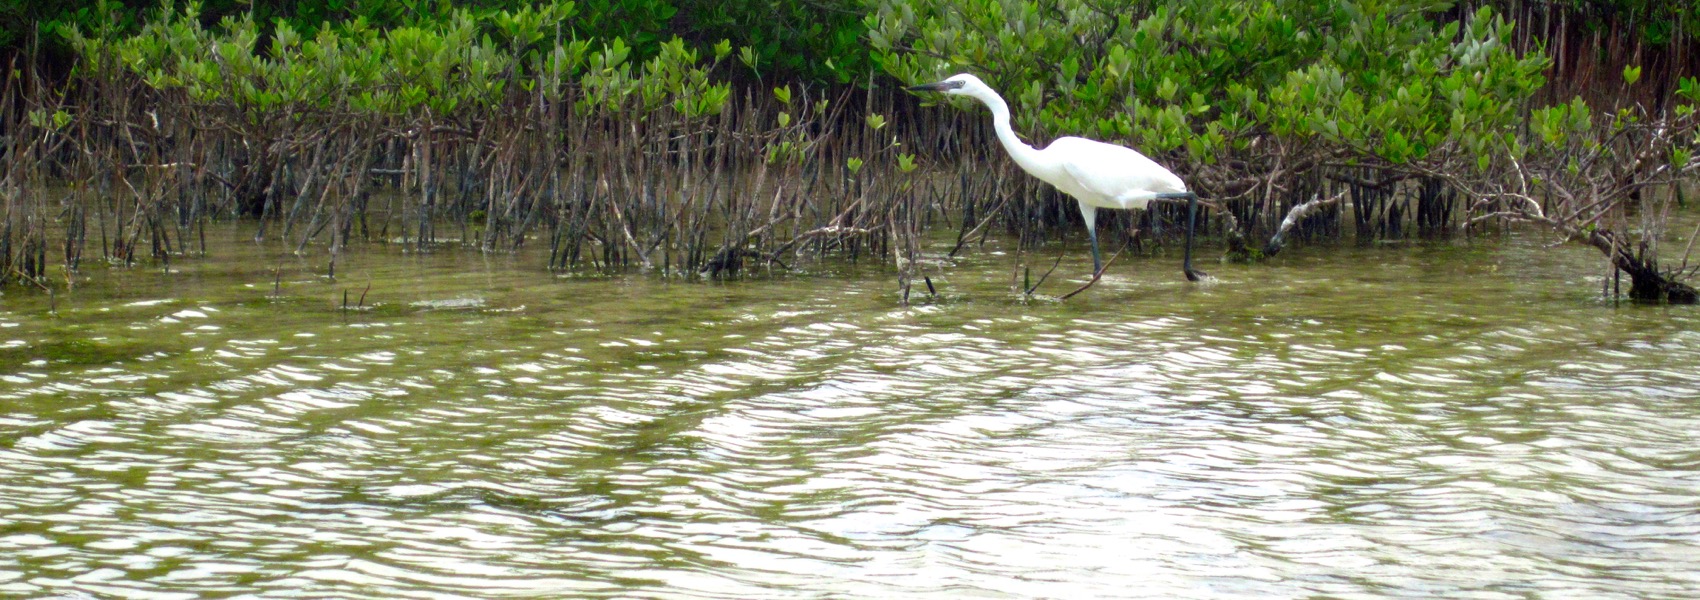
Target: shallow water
{"type": "Point", "coordinates": [1450, 420]}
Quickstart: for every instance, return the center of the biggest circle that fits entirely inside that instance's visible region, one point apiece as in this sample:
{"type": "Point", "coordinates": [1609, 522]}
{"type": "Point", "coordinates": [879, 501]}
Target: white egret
{"type": "Point", "coordinates": [1096, 174]}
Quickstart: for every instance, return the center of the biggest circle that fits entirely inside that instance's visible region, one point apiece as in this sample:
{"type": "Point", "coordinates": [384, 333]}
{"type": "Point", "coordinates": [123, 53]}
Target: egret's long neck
{"type": "Point", "coordinates": [1023, 154]}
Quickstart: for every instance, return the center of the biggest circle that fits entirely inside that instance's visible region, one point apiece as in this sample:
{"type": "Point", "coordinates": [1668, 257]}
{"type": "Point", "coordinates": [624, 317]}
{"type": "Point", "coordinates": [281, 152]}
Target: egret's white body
{"type": "Point", "coordinates": [1095, 174]}
{"type": "Point", "coordinates": [1099, 175]}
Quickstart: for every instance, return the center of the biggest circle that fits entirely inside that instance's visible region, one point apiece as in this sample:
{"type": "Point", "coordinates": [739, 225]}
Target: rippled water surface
{"type": "Point", "coordinates": [1442, 421]}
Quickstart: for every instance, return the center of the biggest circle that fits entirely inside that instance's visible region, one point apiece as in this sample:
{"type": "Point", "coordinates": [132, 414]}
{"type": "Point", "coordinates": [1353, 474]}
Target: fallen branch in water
{"type": "Point", "coordinates": [1298, 213]}
{"type": "Point", "coordinates": [1099, 274]}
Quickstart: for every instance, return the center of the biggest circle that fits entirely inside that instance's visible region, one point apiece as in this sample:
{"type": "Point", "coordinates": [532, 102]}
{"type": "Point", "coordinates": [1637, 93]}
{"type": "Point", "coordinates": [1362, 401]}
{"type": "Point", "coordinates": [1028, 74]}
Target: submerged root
{"type": "Point", "coordinates": [1651, 285]}
{"type": "Point", "coordinates": [1647, 282]}
{"type": "Point", "coordinates": [729, 261]}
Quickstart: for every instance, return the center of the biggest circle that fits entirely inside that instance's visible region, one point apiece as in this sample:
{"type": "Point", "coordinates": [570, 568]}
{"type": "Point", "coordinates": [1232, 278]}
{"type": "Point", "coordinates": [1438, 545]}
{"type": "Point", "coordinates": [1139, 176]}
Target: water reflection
{"type": "Point", "coordinates": [1423, 428]}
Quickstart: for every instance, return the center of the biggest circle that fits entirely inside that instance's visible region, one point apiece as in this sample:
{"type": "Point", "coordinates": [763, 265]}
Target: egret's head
{"type": "Point", "coordinates": [960, 84]}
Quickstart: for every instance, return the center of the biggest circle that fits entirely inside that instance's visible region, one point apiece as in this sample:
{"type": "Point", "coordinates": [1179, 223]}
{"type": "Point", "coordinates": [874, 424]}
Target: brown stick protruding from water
{"type": "Point", "coordinates": [1098, 275]}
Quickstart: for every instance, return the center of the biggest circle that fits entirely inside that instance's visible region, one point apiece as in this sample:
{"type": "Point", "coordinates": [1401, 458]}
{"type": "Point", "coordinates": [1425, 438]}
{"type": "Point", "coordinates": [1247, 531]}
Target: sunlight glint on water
{"type": "Point", "coordinates": [1414, 421]}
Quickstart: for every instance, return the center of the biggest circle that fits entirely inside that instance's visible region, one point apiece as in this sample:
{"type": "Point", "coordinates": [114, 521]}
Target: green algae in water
{"type": "Point", "coordinates": [1423, 410]}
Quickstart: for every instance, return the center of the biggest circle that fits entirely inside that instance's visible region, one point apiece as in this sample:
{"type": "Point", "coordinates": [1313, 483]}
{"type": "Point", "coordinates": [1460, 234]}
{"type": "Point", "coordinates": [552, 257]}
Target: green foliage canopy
{"type": "Point", "coordinates": [819, 40]}
{"type": "Point", "coordinates": [439, 66]}
{"type": "Point", "coordinates": [1370, 78]}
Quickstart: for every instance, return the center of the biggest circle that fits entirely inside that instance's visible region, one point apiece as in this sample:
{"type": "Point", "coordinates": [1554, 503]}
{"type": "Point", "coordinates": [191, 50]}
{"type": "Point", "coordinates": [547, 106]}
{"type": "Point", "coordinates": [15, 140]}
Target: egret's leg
{"type": "Point", "coordinates": [1097, 265]}
{"type": "Point", "coordinates": [1089, 214]}
{"type": "Point", "coordinates": [1191, 223]}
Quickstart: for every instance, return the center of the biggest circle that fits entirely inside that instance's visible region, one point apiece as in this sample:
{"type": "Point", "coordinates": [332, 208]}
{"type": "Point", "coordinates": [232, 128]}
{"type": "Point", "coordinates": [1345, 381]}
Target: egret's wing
{"type": "Point", "coordinates": [1121, 176]}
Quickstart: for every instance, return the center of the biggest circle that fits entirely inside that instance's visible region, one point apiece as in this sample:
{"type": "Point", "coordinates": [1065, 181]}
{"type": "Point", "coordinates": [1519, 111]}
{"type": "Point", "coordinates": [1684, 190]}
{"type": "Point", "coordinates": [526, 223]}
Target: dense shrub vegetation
{"type": "Point", "coordinates": [1424, 117]}
{"type": "Point", "coordinates": [798, 38]}
{"type": "Point", "coordinates": [813, 40]}
{"type": "Point", "coordinates": [1282, 109]}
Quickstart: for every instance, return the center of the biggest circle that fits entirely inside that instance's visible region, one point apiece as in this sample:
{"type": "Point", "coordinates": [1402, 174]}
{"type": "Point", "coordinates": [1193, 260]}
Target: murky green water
{"type": "Point", "coordinates": [1420, 421]}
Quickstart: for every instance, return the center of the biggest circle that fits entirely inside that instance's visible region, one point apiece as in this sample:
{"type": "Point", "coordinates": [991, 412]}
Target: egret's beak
{"type": "Point", "coordinates": [938, 86]}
